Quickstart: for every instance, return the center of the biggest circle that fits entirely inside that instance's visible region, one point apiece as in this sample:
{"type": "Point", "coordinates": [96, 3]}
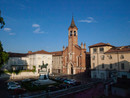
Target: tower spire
{"type": "Point", "coordinates": [72, 25]}
{"type": "Point", "coordinates": [72, 22]}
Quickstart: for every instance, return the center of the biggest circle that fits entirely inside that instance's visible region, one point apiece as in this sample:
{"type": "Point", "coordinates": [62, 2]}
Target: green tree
{"type": "Point", "coordinates": [3, 56]}
{"type": "Point", "coordinates": [1, 21]}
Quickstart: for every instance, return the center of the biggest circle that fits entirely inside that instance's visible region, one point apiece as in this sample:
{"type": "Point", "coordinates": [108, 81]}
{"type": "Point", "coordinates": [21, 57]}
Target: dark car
{"type": "Point", "coordinates": [77, 83]}
{"type": "Point", "coordinates": [63, 86]}
{"type": "Point", "coordinates": [18, 91]}
{"type": "Point", "coordinates": [52, 88]}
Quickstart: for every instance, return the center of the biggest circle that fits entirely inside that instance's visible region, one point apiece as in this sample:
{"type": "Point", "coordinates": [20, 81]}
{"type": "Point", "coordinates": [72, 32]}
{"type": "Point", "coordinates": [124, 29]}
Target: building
{"type": "Point", "coordinates": [108, 61]}
{"type": "Point", "coordinates": [24, 61]}
{"type": "Point", "coordinates": [57, 62]}
{"type": "Point", "coordinates": [17, 61]}
{"type": "Point", "coordinates": [39, 58]}
{"type": "Point", "coordinates": [74, 56]}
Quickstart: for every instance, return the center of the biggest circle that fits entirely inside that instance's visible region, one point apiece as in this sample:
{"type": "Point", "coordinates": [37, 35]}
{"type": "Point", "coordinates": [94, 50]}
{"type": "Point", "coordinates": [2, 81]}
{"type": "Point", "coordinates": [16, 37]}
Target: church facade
{"type": "Point", "coordinates": [74, 56]}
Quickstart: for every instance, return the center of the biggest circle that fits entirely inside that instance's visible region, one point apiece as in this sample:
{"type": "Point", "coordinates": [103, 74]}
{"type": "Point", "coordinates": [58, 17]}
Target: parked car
{"type": "Point", "coordinates": [25, 80]}
{"type": "Point", "coordinates": [19, 91]}
{"type": "Point", "coordinates": [12, 87]}
{"type": "Point", "coordinates": [57, 78]}
{"type": "Point", "coordinates": [12, 83]}
{"type": "Point", "coordinates": [68, 81]}
{"type": "Point", "coordinates": [77, 83]}
{"type": "Point", "coordinates": [52, 88]}
{"type": "Point", "coordinates": [63, 86]}
{"type": "Point", "coordinates": [36, 83]}
{"type": "Point", "coordinates": [63, 79]}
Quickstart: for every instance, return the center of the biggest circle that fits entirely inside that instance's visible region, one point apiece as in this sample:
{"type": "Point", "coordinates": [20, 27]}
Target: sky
{"type": "Point", "coordinates": [33, 25]}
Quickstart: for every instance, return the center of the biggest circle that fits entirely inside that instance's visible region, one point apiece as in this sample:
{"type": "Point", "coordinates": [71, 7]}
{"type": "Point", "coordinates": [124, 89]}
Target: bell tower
{"type": "Point", "coordinates": [72, 35]}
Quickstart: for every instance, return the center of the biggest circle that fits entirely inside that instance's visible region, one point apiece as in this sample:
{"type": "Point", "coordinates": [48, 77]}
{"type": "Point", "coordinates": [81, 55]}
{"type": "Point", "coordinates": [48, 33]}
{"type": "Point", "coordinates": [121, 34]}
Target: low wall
{"type": "Point", "coordinates": [21, 75]}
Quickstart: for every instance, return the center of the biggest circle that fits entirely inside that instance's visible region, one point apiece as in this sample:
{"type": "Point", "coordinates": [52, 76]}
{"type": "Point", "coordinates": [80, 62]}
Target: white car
{"type": "Point", "coordinates": [14, 87]}
{"type": "Point", "coordinates": [12, 83]}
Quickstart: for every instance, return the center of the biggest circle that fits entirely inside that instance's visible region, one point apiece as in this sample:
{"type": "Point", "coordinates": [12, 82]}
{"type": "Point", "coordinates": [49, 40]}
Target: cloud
{"type": "Point", "coordinates": [35, 25]}
{"type": "Point", "coordinates": [12, 34]}
{"type": "Point", "coordinates": [7, 29]}
{"type": "Point", "coordinates": [88, 20]}
{"type": "Point", "coordinates": [38, 30]}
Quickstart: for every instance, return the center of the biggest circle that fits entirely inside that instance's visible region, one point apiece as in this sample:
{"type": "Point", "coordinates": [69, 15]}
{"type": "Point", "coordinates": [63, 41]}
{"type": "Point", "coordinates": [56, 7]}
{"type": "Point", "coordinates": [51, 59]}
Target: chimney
{"type": "Point", "coordinates": [29, 52]}
{"type": "Point", "coordinates": [82, 45]}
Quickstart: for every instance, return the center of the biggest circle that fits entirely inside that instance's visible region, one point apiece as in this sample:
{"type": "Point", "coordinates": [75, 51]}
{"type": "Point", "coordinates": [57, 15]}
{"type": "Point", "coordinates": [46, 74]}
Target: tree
{"type": "Point", "coordinates": [1, 21]}
{"type": "Point", "coordinates": [3, 56]}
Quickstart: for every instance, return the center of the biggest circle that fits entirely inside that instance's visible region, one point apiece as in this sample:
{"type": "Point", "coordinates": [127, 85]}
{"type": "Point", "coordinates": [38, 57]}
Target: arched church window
{"type": "Point", "coordinates": [74, 33]}
{"type": "Point", "coordinates": [70, 33]}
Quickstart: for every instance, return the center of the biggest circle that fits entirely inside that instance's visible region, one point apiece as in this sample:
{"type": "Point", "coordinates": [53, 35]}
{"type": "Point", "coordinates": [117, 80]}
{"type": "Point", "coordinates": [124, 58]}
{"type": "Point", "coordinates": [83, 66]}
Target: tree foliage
{"type": "Point", "coordinates": [1, 21]}
{"type": "Point", "coordinates": [3, 56]}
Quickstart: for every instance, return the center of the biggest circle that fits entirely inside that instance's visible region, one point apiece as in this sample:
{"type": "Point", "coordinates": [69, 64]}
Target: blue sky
{"type": "Point", "coordinates": [43, 24]}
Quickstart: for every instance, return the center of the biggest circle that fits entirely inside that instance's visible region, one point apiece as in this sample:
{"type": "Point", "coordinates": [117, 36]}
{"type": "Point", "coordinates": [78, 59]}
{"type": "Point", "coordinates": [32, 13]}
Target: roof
{"type": "Point", "coordinates": [72, 25]}
{"type": "Point", "coordinates": [119, 49]}
{"type": "Point", "coordinates": [17, 54]}
{"type": "Point", "coordinates": [100, 44]}
{"type": "Point", "coordinates": [40, 52]}
{"type": "Point", "coordinates": [57, 53]}
{"type": "Point", "coordinates": [78, 46]}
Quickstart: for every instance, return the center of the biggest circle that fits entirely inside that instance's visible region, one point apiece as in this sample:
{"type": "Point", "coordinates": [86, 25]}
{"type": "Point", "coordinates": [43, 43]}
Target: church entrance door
{"type": "Point", "coordinates": [70, 69]}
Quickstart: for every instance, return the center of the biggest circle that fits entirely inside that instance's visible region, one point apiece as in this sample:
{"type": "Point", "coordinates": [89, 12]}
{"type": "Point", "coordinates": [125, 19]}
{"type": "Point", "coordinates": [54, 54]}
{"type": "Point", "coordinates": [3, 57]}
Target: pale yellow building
{"type": "Point", "coordinates": [57, 62]}
{"type": "Point", "coordinates": [108, 61]}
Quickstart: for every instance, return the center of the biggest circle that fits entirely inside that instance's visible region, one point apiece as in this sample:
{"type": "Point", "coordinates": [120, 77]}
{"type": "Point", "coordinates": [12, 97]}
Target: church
{"type": "Point", "coordinates": [74, 56]}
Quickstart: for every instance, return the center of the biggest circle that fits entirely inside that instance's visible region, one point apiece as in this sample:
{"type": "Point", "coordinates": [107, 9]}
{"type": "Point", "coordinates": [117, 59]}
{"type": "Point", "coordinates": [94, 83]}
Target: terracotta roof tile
{"type": "Point", "coordinates": [119, 49]}
{"type": "Point", "coordinates": [100, 44]}
{"type": "Point", "coordinates": [17, 54]}
{"type": "Point", "coordinates": [40, 52]}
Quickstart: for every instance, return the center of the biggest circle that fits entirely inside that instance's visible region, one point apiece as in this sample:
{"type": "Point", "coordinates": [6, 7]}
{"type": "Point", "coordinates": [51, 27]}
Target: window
{"type": "Point", "coordinates": [122, 57]}
{"type": "Point", "coordinates": [78, 60]}
{"type": "Point", "coordinates": [110, 57]}
{"type": "Point", "coordinates": [110, 66]}
{"type": "Point", "coordinates": [94, 50]}
{"type": "Point", "coordinates": [74, 33]}
{"type": "Point", "coordinates": [93, 57]}
{"type": "Point", "coordinates": [70, 33]}
{"type": "Point", "coordinates": [101, 50]}
{"type": "Point", "coordinates": [102, 65]}
{"type": "Point", "coordinates": [122, 66]}
{"type": "Point", "coordinates": [93, 65]}
{"type": "Point", "coordinates": [102, 57]}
